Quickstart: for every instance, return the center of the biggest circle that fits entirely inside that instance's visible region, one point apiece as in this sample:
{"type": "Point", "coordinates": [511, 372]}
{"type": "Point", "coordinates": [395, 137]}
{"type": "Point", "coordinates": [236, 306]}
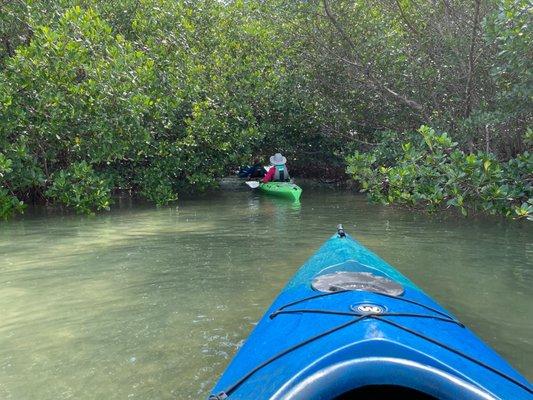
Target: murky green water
{"type": "Point", "coordinates": [145, 303]}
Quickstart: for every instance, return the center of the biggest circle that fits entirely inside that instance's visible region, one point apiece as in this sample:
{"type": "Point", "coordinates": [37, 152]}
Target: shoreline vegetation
{"type": "Point", "coordinates": [420, 104]}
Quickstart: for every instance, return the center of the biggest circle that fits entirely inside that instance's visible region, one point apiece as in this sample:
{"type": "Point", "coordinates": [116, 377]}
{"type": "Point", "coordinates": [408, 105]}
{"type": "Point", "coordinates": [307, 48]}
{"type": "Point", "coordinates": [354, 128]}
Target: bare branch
{"type": "Point", "coordinates": [471, 61]}
{"type": "Point", "coordinates": [373, 83]}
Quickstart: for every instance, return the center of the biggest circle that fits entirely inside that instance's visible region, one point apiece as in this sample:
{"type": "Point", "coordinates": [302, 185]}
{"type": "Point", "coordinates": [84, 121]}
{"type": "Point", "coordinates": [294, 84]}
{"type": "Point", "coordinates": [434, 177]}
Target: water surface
{"type": "Point", "coordinates": [147, 303]}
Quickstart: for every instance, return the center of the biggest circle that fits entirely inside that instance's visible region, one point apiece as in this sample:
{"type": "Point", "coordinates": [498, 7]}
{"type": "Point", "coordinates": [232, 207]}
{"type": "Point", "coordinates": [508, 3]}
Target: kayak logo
{"type": "Point", "coordinates": [368, 308]}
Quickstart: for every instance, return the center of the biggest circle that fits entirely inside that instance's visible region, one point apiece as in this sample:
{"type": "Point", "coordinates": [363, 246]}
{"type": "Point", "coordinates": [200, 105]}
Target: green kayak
{"type": "Point", "coordinates": [282, 189]}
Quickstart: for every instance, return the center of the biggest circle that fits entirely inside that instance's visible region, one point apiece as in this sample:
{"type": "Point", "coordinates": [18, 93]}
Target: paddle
{"type": "Point", "coordinates": [252, 184]}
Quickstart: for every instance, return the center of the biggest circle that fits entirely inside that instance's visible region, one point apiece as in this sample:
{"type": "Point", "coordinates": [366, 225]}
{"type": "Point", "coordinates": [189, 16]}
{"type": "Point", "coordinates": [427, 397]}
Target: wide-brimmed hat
{"type": "Point", "coordinates": [278, 159]}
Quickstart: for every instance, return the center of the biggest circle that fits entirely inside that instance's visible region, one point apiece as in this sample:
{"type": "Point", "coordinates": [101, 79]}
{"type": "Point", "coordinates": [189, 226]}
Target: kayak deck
{"type": "Point", "coordinates": [323, 344]}
{"type": "Point", "coordinates": [282, 189]}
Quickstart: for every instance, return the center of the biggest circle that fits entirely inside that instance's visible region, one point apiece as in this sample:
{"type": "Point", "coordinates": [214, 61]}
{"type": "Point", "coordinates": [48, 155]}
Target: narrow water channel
{"type": "Point", "coordinates": [147, 303]}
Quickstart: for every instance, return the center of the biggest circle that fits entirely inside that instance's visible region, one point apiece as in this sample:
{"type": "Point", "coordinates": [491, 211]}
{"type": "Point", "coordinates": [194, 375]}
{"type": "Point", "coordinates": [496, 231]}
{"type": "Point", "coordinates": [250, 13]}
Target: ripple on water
{"type": "Point", "coordinates": [153, 303]}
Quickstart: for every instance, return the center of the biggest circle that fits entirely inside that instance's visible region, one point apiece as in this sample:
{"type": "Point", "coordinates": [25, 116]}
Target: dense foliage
{"type": "Point", "coordinates": [163, 97]}
{"type": "Point", "coordinates": [431, 171]}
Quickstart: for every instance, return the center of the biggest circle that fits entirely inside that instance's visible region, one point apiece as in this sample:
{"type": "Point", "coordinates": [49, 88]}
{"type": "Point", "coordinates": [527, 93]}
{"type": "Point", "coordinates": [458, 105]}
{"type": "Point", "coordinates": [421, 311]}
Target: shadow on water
{"type": "Point", "coordinates": [144, 302]}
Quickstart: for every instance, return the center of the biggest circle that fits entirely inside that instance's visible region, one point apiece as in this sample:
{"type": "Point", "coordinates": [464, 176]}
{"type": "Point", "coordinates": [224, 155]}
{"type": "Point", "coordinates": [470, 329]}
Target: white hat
{"type": "Point", "coordinates": [277, 159]}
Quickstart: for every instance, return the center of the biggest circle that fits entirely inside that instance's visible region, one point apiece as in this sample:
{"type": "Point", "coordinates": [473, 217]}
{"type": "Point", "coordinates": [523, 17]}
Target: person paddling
{"type": "Point", "coordinates": [278, 172]}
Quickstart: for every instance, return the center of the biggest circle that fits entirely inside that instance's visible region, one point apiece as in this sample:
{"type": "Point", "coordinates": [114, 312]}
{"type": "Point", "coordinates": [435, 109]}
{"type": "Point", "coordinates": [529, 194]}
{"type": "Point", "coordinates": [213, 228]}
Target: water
{"type": "Point", "coordinates": [146, 303]}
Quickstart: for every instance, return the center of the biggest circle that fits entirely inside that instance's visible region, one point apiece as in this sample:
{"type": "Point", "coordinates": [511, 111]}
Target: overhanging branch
{"type": "Point", "coordinates": [356, 62]}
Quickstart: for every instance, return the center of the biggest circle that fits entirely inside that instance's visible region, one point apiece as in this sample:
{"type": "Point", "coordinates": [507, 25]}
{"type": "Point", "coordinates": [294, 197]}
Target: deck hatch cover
{"type": "Point", "coordinates": [359, 281]}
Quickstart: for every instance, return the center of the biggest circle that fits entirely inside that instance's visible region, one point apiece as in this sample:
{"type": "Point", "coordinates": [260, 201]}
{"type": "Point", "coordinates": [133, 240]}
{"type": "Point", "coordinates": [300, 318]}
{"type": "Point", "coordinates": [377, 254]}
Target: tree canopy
{"type": "Point", "coordinates": [163, 97]}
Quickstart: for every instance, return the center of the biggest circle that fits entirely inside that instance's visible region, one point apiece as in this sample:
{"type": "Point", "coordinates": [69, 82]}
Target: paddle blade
{"type": "Point", "coordinates": [252, 184]}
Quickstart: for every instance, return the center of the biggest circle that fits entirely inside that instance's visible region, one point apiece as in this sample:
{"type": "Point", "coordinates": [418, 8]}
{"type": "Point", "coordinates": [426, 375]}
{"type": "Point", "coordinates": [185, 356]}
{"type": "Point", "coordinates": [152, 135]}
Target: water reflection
{"type": "Point", "coordinates": [152, 303]}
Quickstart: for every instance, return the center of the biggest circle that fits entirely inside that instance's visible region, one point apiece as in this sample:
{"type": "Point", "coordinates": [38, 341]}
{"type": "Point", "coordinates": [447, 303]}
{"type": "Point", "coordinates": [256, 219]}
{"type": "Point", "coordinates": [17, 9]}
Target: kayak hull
{"type": "Point", "coordinates": [282, 189]}
{"type": "Point", "coordinates": [311, 345]}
